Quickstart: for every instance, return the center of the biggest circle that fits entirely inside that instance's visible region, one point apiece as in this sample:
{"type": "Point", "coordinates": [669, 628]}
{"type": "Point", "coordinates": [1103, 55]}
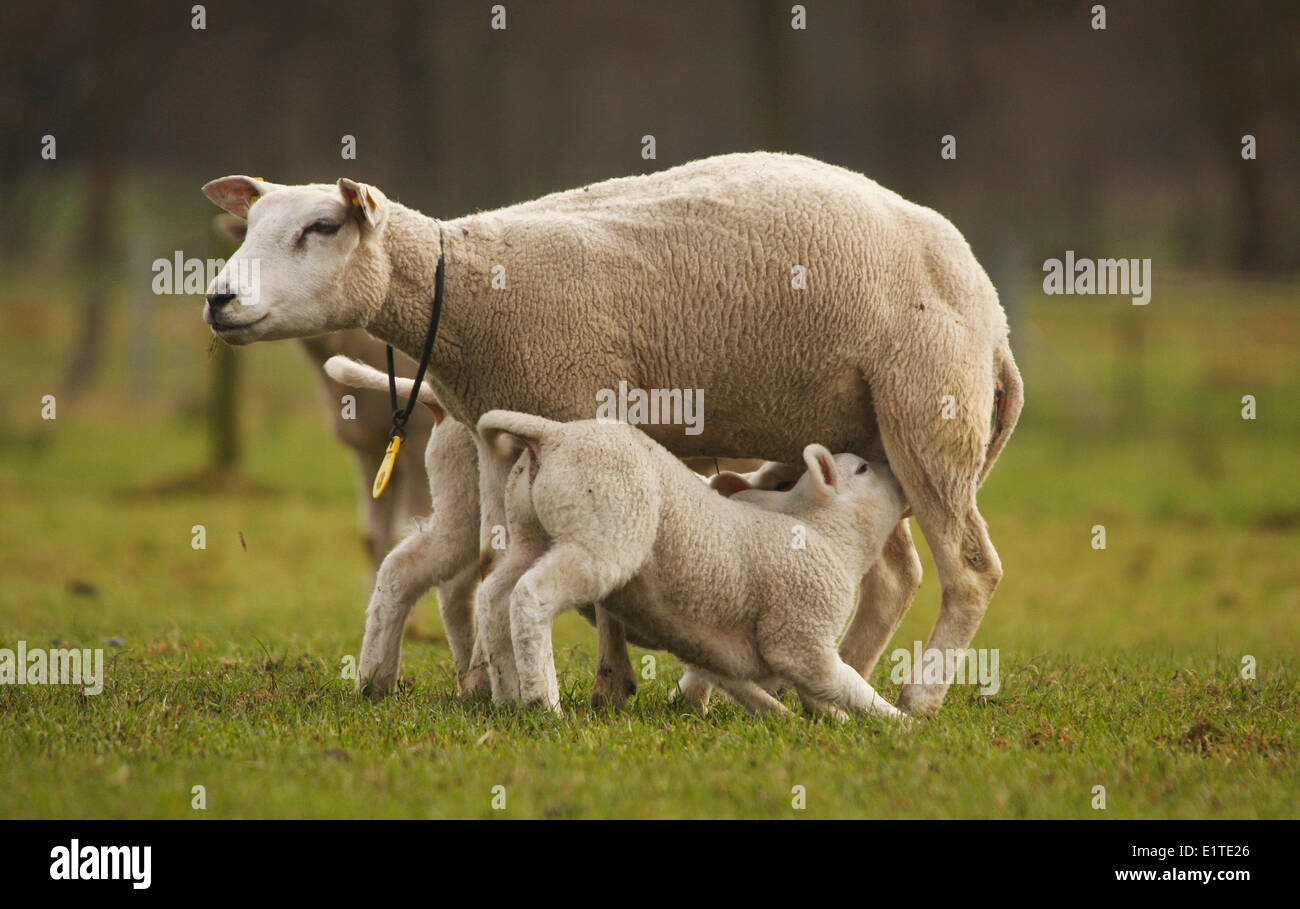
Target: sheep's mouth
{"type": "Point", "coordinates": [229, 327]}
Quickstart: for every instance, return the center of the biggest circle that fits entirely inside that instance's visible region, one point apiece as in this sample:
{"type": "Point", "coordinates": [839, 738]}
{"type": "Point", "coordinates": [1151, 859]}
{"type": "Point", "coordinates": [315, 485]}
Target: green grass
{"type": "Point", "coordinates": [1120, 667]}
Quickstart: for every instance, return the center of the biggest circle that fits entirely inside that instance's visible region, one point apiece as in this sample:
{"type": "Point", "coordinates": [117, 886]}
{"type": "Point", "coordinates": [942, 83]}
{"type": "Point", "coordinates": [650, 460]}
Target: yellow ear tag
{"type": "Point", "coordinates": [386, 467]}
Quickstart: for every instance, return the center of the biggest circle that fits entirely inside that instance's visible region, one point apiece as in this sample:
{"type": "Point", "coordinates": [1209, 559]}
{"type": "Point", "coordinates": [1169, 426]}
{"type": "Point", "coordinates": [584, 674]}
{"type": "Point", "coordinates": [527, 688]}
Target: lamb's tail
{"type": "Point", "coordinates": [508, 432]}
{"type": "Point", "coordinates": [356, 374]}
{"type": "Point", "coordinates": [1008, 399]}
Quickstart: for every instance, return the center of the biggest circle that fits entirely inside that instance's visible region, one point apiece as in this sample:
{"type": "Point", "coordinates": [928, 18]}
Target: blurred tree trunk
{"type": "Point", "coordinates": [224, 412]}
{"type": "Point", "coordinates": [96, 248]}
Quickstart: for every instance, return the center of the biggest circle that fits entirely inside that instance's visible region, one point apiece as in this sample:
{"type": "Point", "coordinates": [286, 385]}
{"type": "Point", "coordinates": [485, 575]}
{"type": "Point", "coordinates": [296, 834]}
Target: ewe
{"type": "Point", "coordinates": [601, 513]}
{"type": "Point", "coordinates": [890, 344]}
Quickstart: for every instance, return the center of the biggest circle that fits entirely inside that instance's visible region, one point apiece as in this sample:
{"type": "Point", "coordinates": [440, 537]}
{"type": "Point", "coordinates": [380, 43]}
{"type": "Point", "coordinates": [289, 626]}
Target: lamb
{"type": "Point", "coordinates": [601, 513]}
{"type": "Point", "coordinates": [807, 300]}
{"type": "Point", "coordinates": [441, 552]}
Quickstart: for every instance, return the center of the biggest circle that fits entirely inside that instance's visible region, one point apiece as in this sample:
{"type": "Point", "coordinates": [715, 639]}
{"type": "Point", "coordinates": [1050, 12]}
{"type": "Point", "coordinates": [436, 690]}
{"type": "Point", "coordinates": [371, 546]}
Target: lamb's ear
{"type": "Point", "coordinates": [237, 194]}
{"type": "Point", "coordinates": [229, 228]}
{"type": "Point", "coordinates": [369, 203]}
{"type": "Point", "coordinates": [821, 468]}
{"type": "Point", "coordinates": [728, 483]}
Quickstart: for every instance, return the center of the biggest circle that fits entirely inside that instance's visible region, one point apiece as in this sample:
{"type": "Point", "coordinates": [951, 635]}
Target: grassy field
{"type": "Point", "coordinates": [1120, 667]}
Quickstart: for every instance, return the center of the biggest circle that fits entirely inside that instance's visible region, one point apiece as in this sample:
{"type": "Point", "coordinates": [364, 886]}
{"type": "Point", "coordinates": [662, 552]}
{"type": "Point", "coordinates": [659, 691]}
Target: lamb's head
{"type": "Point", "coordinates": [312, 259]}
{"type": "Point", "coordinates": [765, 487]}
{"type": "Point", "coordinates": [866, 493]}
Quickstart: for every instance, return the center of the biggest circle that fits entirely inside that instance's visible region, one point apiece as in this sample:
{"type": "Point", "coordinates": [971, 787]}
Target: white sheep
{"type": "Point", "coordinates": [365, 430]}
{"type": "Point", "coordinates": [808, 301]}
{"type": "Point", "coordinates": [602, 513]}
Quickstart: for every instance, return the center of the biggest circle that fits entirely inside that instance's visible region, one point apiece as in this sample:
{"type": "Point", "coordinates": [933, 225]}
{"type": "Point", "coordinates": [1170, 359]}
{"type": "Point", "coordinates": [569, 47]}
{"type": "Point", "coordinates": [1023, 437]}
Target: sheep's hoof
{"type": "Point", "coordinates": [475, 687]}
{"type": "Point", "coordinates": [920, 700]}
{"type": "Point", "coordinates": [373, 689]}
{"type": "Point", "coordinates": [612, 695]}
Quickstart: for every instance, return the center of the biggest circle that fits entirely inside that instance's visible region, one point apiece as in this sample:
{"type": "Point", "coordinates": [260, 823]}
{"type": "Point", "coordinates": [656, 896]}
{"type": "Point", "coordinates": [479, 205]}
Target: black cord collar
{"type": "Point", "coordinates": [401, 415]}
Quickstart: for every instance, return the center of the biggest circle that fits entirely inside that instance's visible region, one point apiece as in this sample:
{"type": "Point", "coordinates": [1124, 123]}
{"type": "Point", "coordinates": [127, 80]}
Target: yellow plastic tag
{"type": "Point", "coordinates": [386, 467]}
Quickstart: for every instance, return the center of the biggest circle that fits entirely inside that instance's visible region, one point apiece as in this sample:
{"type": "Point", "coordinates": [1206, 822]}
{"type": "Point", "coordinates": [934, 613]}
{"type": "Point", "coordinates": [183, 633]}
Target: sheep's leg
{"type": "Point", "coordinates": [885, 596]}
{"type": "Point", "coordinates": [407, 573]}
{"type": "Point", "coordinates": [615, 679]}
{"type": "Point", "coordinates": [456, 604]}
{"type": "Point", "coordinates": [969, 570]}
{"type": "Point", "coordinates": [565, 577]}
{"type": "Point", "coordinates": [940, 479]}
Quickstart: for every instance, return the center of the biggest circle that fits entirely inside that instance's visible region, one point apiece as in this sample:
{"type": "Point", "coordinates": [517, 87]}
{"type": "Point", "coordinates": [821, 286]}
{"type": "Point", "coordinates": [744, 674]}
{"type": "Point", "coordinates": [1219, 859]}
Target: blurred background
{"type": "Point", "coordinates": [1117, 142]}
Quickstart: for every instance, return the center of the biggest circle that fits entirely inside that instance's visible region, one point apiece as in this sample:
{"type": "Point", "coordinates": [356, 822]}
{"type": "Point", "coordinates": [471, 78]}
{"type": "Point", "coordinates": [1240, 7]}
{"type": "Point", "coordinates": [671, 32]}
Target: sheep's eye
{"type": "Point", "coordinates": [862, 469]}
{"type": "Point", "coordinates": [320, 227]}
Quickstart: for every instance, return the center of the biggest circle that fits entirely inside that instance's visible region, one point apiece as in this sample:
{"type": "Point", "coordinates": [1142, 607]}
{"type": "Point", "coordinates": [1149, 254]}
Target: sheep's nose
{"type": "Point", "coordinates": [218, 300]}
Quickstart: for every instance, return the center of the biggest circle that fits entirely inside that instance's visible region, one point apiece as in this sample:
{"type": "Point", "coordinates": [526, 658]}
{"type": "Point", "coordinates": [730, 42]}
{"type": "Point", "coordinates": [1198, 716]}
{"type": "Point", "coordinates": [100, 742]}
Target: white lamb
{"type": "Point", "coordinates": [601, 513]}
{"type": "Point", "coordinates": [443, 552]}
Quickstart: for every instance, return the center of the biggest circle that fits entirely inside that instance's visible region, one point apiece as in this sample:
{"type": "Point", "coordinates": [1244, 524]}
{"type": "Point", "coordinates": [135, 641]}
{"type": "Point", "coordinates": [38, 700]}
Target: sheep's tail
{"type": "Point", "coordinates": [507, 432]}
{"type": "Point", "coordinates": [1009, 397]}
{"type": "Point", "coordinates": [356, 374]}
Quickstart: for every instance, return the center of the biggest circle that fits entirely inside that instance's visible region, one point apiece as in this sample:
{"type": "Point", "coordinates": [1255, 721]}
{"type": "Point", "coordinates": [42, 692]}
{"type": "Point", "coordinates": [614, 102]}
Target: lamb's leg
{"type": "Point", "coordinates": [407, 573]}
{"type": "Point", "coordinates": [565, 577]}
{"type": "Point", "coordinates": [747, 693]}
{"type": "Point", "coordinates": [825, 681]}
{"type": "Point", "coordinates": [456, 604]}
{"type": "Point", "coordinates": [885, 596]}
{"type": "Point", "coordinates": [492, 609]}
{"type": "Point", "coordinates": [494, 654]}
{"type": "Point", "coordinates": [694, 687]}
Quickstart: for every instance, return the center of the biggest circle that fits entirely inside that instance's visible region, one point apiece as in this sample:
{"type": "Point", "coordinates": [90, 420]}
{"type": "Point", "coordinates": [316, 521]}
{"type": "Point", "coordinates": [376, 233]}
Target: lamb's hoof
{"type": "Point", "coordinates": [612, 695]}
{"type": "Point", "coordinates": [921, 700]}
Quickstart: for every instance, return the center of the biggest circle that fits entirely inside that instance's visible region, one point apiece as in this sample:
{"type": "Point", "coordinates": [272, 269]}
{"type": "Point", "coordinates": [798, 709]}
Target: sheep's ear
{"type": "Point", "coordinates": [237, 194]}
{"type": "Point", "coordinates": [367, 201]}
{"type": "Point", "coordinates": [822, 469]}
{"type": "Point", "coordinates": [229, 228]}
{"type": "Point", "coordinates": [728, 483]}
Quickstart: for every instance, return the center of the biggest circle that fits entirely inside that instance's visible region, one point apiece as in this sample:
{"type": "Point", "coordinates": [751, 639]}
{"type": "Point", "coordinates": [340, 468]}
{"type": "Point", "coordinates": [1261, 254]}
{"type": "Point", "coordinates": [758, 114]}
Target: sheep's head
{"type": "Point", "coordinates": [311, 261]}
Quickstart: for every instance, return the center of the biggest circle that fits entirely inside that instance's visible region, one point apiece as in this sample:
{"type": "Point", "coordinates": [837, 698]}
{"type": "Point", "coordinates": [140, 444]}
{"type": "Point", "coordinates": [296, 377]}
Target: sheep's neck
{"type": "Point", "coordinates": [402, 318]}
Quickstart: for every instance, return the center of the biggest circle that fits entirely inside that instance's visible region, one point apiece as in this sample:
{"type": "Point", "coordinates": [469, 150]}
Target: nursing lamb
{"type": "Point", "coordinates": [601, 513]}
